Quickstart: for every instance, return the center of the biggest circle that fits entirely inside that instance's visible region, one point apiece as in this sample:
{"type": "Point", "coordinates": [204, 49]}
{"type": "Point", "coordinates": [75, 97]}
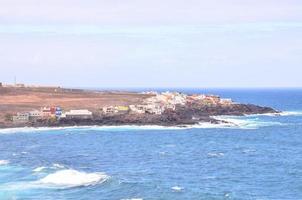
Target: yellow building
{"type": "Point", "coordinates": [122, 108]}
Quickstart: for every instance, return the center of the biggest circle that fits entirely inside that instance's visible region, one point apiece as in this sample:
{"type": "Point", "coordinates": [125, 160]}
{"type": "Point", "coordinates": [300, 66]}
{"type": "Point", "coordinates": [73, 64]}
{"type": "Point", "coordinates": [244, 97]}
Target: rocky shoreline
{"type": "Point", "coordinates": [60, 107]}
{"type": "Point", "coordinates": [182, 116]}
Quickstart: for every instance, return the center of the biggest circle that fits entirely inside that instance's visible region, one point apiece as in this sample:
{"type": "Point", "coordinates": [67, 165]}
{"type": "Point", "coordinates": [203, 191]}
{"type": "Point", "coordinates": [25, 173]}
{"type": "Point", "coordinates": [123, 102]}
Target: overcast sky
{"type": "Point", "coordinates": [158, 43]}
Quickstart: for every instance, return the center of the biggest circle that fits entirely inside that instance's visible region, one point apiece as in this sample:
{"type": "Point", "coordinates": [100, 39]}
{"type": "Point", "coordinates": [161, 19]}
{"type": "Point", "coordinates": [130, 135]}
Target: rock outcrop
{"type": "Point", "coordinates": [183, 115]}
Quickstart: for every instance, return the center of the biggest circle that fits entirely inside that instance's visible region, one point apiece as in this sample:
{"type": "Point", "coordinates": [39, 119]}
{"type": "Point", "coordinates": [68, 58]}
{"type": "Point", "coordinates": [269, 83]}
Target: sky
{"type": "Point", "coordinates": [158, 43]}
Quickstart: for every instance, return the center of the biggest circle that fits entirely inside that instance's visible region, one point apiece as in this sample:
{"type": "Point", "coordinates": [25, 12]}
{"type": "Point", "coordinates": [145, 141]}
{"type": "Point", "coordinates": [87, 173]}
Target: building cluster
{"type": "Point", "coordinates": [50, 113]}
{"type": "Point", "coordinates": [160, 102]}
{"type": "Point", "coordinates": [209, 100]}
{"type": "Point", "coordinates": [115, 109]}
{"type": "Point", "coordinates": [15, 85]}
{"type": "Point", "coordinates": [169, 100]}
{"type": "Point", "coordinates": [156, 105]}
{"type": "Point", "coordinates": [22, 85]}
{"type": "Point", "coordinates": [147, 109]}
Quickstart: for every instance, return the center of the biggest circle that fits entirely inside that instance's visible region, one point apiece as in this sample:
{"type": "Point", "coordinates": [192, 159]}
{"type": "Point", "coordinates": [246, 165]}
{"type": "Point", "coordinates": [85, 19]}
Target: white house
{"type": "Point", "coordinates": [35, 114]}
{"type": "Point", "coordinates": [140, 109]}
{"type": "Point", "coordinates": [21, 118]}
{"type": "Point", "coordinates": [78, 114]}
{"type": "Point", "coordinates": [110, 110]}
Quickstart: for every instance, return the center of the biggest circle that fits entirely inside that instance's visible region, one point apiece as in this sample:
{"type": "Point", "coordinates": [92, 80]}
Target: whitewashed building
{"type": "Point", "coordinates": [78, 114]}
{"type": "Point", "coordinates": [35, 114]}
{"type": "Point", "coordinates": [21, 118]}
{"type": "Point", "coordinates": [110, 110]}
{"type": "Point", "coordinates": [140, 109]}
{"type": "Point", "coordinates": [170, 106]}
{"type": "Point", "coordinates": [226, 101]}
{"type": "Point", "coordinates": [154, 109]}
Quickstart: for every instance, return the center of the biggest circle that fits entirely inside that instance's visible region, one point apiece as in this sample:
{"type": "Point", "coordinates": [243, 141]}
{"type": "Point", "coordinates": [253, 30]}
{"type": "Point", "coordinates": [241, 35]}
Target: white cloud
{"type": "Point", "coordinates": [147, 12]}
{"type": "Point", "coordinates": [188, 43]}
{"type": "Point", "coordinates": [147, 31]}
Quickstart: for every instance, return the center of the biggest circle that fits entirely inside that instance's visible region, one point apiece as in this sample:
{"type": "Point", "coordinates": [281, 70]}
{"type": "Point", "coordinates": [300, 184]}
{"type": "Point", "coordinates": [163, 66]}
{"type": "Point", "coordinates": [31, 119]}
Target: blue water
{"type": "Point", "coordinates": [260, 159]}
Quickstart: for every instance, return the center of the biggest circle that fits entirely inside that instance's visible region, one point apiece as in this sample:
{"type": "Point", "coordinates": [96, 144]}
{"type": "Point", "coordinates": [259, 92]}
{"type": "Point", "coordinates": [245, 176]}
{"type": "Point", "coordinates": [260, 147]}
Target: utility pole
{"type": "Point", "coordinates": [15, 80]}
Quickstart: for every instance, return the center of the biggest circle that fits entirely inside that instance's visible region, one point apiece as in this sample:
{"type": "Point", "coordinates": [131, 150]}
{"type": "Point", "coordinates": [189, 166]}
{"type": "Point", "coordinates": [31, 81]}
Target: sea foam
{"type": "Point", "coordinates": [201, 125]}
{"type": "Point", "coordinates": [55, 166]}
{"type": "Point", "coordinates": [39, 169]}
{"type": "Point", "coordinates": [291, 113]}
{"type": "Point", "coordinates": [245, 123]}
{"type": "Point", "coordinates": [177, 188]}
{"type": "Point", "coordinates": [213, 154]}
{"type": "Point", "coordinates": [133, 199]}
{"type": "Point", "coordinates": [228, 122]}
{"type": "Point", "coordinates": [4, 162]}
{"type": "Point", "coordinates": [284, 113]}
{"type": "Point", "coordinates": [30, 129]}
{"type": "Point", "coordinates": [72, 178]}
{"type": "Point", "coordinates": [87, 128]}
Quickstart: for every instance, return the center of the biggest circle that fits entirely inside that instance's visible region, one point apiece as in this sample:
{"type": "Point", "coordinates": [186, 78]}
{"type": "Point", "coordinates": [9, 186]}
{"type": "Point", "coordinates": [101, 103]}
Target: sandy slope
{"type": "Point", "coordinates": [14, 100]}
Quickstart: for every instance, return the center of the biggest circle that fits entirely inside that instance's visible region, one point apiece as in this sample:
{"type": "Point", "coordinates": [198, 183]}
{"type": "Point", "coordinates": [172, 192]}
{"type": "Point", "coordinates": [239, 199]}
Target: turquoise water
{"type": "Point", "coordinates": [258, 159]}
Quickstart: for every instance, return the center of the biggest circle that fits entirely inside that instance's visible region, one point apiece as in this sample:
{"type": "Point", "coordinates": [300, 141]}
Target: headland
{"type": "Point", "coordinates": [28, 106]}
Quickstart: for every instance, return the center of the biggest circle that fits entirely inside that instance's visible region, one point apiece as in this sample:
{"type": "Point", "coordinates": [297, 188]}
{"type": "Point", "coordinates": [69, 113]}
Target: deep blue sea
{"type": "Point", "coordinates": [259, 158]}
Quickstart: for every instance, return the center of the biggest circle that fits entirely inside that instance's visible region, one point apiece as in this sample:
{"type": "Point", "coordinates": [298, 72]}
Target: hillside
{"type": "Point", "coordinates": [15, 100]}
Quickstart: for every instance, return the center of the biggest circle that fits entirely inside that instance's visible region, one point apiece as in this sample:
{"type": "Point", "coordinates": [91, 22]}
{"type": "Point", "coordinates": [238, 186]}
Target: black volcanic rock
{"type": "Point", "coordinates": [183, 115]}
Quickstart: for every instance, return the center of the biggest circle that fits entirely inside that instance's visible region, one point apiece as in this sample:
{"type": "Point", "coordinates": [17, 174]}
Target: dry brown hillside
{"type": "Point", "coordinates": [14, 100]}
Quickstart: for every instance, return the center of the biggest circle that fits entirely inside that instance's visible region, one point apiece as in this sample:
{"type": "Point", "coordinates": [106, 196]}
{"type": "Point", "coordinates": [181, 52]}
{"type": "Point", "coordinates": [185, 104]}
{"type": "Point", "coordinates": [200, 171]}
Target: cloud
{"type": "Point", "coordinates": [146, 12]}
{"type": "Point", "coordinates": [184, 43]}
{"type": "Point", "coordinates": [147, 31]}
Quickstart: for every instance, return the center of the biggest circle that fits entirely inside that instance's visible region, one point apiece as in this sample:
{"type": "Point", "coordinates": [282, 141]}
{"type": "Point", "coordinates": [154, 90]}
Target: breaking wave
{"type": "Point", "coordinates": [215, 155]}
{"type": "Point", "coordinates": [30, 129]}
{"type": "Point", "coordinates": [72, 178]}
{"type": "Point", "coordinates": [87, 128]}
{"type": "Point", "coordinates": [55, 176]}
{"type": "Point", "coordinates": [291, 113]}
{"type": "Point", "coordinates": [133, 199]}
{"type": "Point", "coordinates": [4, 162]}
{"type": "Point", "coordinates": [39, 169]}
{"type": "Point", "coordinates": [245, 123]}
{"type": "Point", "coordinates": [229, 122]}
{"type": "Point", "coordinates": [284, 113]}
{"type": "Point", "coordinates": [58, 166]}
{"type": "Point", "coordinates": [177, 188]}
{"type": "Point", "coordinates": [54, 166]}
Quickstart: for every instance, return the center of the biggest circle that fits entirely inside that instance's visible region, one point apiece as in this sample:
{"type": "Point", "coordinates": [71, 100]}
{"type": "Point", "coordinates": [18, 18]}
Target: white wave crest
{"type": "Point", "coordinates": [231, 122]}
{"type": "Point", "coordinates": [97, 128]}
{"type": "Point", "coordinates": [4, 162]}
{"type": "Point", "coordinates": [72, 178]}
{"type": "Point", "coordinates": [133, 199]}
{"type": "Point", "coordinates": [248, 151]}
{"type": "Point", "coordinates": [213, 154]}
{"type": "Point", "coordinates": [208, 125]}
{"type": "Point", "coordinates": [58, 166]}
{"type": "Point", "coordinates": [39, 169]}
{"type": "Point", "coordinates": [177, 188]}
{"type": "Point", "coordinates": [291, 113]}
{"type": "Point", "coordinates": [30, 129]}
{"type": "Point", "coordinates": [245, 123]}
{"type": "Point", "coordinates": [55, 166]}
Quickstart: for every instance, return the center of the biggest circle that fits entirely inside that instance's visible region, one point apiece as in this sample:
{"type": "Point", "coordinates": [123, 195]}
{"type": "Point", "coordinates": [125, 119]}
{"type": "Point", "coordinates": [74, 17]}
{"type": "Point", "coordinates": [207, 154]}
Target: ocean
{"type": "Point", "coordinates": [258, 158]}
